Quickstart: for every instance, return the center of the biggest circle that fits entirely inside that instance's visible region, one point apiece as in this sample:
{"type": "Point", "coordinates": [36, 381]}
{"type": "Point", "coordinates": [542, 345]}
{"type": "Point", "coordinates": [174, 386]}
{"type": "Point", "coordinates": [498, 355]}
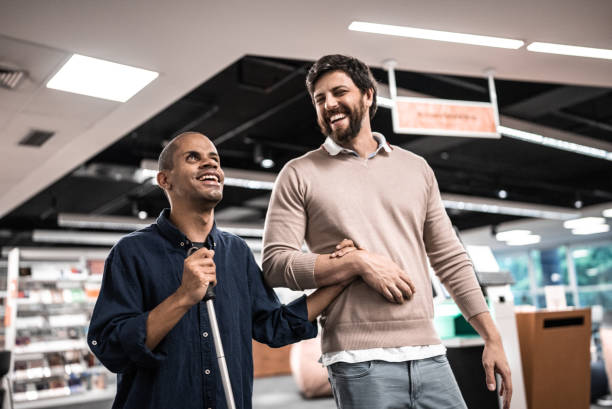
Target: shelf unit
{"type": "Point", "coordinates": [51, 298]}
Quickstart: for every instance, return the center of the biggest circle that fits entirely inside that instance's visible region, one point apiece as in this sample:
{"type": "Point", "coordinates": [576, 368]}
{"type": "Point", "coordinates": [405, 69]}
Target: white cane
{"type": "Point", "coordinates": [210, 307]}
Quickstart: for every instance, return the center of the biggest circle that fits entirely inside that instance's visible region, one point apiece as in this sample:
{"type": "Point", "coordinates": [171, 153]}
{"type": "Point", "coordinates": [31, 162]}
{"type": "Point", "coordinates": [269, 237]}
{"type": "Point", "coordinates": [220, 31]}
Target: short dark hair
{"type": "Point", "coordinates": [358, 71]}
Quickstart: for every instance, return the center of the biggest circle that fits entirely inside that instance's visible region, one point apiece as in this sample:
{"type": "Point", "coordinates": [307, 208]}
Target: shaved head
{"type": "Point", "coordinates": [166, 161]}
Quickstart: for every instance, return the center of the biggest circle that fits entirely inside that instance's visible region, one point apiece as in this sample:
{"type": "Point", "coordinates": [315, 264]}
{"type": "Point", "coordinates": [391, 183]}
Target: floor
{"type": "Point", "coordinates": [269, 393]}
{"type": "Point", "coordinates": [281, 392]}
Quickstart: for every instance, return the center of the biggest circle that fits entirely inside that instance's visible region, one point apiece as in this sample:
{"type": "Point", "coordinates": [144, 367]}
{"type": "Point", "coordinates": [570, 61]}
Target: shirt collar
{"type": "Point", "coordinates": [334, 149]}
{"type": "Point", "coordinates": [176, 237]}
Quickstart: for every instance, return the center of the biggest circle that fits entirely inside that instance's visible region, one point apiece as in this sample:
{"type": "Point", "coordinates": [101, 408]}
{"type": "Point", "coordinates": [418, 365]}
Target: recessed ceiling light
{"type": "Point", "coordinates": [101, 79]}
{"type": "Point", "coordinates": [570, 50]}
{"type": "Point", "coordinates": [425, 34]}
{"type": "Point", "coordinates": [583, 222]}
{"type": "Point", "coordinates": [525, 240]}
{"type": "Point", "coordinates": [511, 235]}
{"type": "Point", "coordinates": [502, 194]}
{"type": "Point", "coordinates": [600, 228]}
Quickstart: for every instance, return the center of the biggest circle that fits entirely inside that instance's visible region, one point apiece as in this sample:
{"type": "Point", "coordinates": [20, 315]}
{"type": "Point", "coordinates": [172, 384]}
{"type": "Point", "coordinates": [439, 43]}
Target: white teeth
{"type": "Point", "coordinates": [208, 177]}
{"type": "Point", "coordinates": [336, 117]}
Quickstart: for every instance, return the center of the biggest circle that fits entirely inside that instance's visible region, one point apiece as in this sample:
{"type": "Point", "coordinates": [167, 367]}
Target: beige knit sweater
{"type": "Point", "coordinates": [390, 205]}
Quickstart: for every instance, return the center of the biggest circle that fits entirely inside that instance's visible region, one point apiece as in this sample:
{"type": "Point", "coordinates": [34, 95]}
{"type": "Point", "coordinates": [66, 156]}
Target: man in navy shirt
{"type": "Point", "coordinates": [150, 325]}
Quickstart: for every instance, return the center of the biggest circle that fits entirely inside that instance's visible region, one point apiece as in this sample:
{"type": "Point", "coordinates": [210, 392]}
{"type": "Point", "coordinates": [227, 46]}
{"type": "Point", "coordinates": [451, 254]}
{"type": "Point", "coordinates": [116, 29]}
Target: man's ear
{"type": "Point", "coordinates": [369, 95]}
{"type": "Point", "coordinates": [162, 180]}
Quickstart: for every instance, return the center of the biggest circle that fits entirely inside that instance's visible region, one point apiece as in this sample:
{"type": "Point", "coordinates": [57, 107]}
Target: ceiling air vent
{"type": "Point", "coordinates": [10, 78]}
{"type": "Point", "coordinates": [36, 138]}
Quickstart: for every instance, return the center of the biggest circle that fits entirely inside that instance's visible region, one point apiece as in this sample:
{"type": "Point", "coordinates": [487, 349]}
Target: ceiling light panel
{"type": "Point", "coordinates": [425, 34]}
{"type": "Point", "coordinates": [572, 50]}
{"type": "Point", "coordinates": [584, 222]}
{"type": "Point", "coordinates": [101, 79]}
{"type": "Point", "coordinates": [555, 143]}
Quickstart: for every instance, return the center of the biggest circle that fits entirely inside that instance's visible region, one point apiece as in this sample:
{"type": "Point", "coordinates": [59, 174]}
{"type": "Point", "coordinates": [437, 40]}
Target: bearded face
{"type": "Point", "coordinates": [342, 123]}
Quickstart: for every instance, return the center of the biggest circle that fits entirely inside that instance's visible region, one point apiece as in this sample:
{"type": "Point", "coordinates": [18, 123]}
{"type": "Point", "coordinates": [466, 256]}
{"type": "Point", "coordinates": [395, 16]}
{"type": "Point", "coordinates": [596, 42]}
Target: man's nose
{"type": "Point", "coordinates": [208, 163]}
{"type": "Point", "coordinates": [331, 103]}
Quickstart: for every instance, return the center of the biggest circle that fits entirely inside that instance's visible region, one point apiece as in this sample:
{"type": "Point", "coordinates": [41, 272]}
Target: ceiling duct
{"type": "Point", "coordinates": [10, 78]}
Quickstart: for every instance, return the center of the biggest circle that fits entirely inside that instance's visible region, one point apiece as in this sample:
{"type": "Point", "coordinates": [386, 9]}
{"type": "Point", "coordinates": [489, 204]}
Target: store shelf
{"type": "Point", "coordinates": [53, 369]}
{"type": "Point", "coordinates": [60, 401]}
{"type": "Point", "coordinates": [51, 346]}
{"type": "Point", "coordinates": [26, 375]}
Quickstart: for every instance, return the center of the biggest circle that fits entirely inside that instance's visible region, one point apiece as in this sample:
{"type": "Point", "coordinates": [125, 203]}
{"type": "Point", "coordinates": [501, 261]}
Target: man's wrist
{"type": "Point", "coordinates": [182, 300]}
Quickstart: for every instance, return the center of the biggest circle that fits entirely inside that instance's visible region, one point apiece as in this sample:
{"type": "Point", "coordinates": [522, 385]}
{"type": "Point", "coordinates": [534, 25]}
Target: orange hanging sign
{"type": "Point", "coordinates": [444, 117]}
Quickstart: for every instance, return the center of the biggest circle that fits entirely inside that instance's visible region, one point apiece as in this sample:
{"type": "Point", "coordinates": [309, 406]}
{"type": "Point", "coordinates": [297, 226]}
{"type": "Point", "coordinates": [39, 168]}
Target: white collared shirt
{"type": "Point", "coordinates": [334, 149]}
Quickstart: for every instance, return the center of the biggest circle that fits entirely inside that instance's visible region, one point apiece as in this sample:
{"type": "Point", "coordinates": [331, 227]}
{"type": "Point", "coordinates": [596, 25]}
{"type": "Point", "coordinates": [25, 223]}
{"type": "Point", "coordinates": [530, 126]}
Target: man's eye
{"type": "Point", "coordinates": [192, 156]}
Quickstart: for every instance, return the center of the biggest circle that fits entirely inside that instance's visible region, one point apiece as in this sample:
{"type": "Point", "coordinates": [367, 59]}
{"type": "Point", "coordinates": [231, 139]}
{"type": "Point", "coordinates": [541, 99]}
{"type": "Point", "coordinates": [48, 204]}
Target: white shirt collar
{"type": "Point", "coordinates": [334, 149]}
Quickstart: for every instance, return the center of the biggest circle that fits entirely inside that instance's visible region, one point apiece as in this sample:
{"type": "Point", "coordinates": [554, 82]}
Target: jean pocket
{"type": "Point", "coordinates": [441, 359]}
{"type": "Point", "coordinates": [351, 370]}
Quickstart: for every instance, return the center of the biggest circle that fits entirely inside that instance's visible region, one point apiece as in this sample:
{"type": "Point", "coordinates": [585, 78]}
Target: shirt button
{"type": "Point", "coordinates": [205, 334]}
{"type": "Point", "coordinates": [182, 244]}
{"type": "Point", "coordinates": [94, 342]}
{"type": "Point", "coordinates": [207, 372]}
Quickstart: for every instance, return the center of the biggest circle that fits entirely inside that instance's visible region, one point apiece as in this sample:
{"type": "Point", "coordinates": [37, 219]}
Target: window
{"type": "Point", "coordinates": [518, 265]}
{"type": "Point", "coordinates": [593, 265]}
{"type": "Point", "coordinates": [550, 266]}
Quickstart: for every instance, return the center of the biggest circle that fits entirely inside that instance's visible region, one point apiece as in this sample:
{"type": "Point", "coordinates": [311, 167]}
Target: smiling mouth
{"type": "Point", "coordinates": [336, 118]}
{"type": "Point", "coordinates": [209, 179]}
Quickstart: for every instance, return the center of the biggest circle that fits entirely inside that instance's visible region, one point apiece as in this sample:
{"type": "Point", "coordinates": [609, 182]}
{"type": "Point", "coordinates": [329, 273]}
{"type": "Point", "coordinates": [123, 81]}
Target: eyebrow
{"type": "Point", "coordinates": [210, 154]}
{"type": "Point", "coordinates": [333, 89]}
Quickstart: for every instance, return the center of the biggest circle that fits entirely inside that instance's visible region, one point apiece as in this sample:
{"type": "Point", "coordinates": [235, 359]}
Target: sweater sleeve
{"type": "Point", "coordinates": [284, 263]}
{"type": "Point", "coordinates": [447, 256]}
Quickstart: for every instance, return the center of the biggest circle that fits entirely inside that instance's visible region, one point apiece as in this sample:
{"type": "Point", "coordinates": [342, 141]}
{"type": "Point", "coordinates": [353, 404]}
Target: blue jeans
{"type": "Point", "coordinates": [420, 384]}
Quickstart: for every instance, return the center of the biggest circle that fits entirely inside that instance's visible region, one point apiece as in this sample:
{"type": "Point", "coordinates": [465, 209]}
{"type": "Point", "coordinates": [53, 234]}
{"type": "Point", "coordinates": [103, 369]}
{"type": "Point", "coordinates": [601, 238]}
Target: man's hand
{"type": "Point", "coordinates": [494, 361]}
{"type": "Point", "coordinates": [379, 272]}
{"type": "Point", "coordinates": [344, 247]}
{"type": "Point", "coordinates": [199, 271]}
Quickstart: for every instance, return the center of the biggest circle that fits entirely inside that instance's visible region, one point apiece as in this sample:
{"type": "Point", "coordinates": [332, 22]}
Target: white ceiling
{"type": "Point", "coordinates": [187, 42]}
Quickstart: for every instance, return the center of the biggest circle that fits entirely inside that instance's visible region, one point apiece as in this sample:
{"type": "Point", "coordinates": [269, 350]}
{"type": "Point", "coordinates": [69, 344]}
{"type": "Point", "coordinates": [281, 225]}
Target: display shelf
{"type": "Point", "coordinates": [51, 346]}
{"type": "Point", "coordinates": [53, 299]}
{"type": "Point", "coordinates": [25, 375]}
{"type": "Point", "coordinates": [34, 400]}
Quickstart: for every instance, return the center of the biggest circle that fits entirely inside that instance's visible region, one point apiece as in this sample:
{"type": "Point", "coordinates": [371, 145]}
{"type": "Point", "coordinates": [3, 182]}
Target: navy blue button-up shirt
{"type": "Point", "coordinates": [141, 271]}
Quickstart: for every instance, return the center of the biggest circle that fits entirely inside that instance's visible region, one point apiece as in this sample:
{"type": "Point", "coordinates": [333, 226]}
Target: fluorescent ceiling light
{"type": "Point", "coordinates": [573, 50]}
{"type": "Point", "coordinates": [384, 102]}
{"type": "Point", "coordinates": [607, 213]}
{"type": "Point", "coordinates": [555, 143]}
{"type": "Point", "coordinates": [248, 183]}
{"type": "Point", "coordinates": [101, 79]}
{"type": "Point", "coordinates": [75, 237]}
{"type": "Point", "coordinates": [486, 205]}
{"type": "Point", "coordinates": [90, 221]}
{"type": "Point", "coordinates": [600, 228]}
{"type": "Point", "coordinates": [511, 235]}
{"type": "Point", "coordinates": [125, 223]}
{"type": "Point", "coordinates": [584, 222]}
{"type": "Point", "coordinates": [448, 36]}
{"type": "Point", "coordinates": [525, 240]}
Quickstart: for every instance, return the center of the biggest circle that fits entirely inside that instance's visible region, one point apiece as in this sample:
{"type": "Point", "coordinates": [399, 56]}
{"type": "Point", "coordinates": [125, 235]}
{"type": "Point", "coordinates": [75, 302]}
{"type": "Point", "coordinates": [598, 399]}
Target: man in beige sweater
{"type": "Point", "coordinates": [379, 343]}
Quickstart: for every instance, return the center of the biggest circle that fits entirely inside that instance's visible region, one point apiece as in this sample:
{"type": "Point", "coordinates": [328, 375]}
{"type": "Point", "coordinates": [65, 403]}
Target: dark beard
{"type": "Point", "coordinates": [342, 136]}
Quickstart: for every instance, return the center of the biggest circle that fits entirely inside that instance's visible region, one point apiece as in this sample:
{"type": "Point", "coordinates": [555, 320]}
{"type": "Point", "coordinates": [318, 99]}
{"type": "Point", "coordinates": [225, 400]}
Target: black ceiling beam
{"type": "Point", "coordinates": [553, 101]}
{"type": "Point", "coordinates": [256, 120]}
{"type": "Point", "coordinates": [584, 121]}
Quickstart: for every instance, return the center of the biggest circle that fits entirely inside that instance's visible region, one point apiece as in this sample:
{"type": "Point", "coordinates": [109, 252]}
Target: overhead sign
{"type": "Point", "coordinates": [444, 117]}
